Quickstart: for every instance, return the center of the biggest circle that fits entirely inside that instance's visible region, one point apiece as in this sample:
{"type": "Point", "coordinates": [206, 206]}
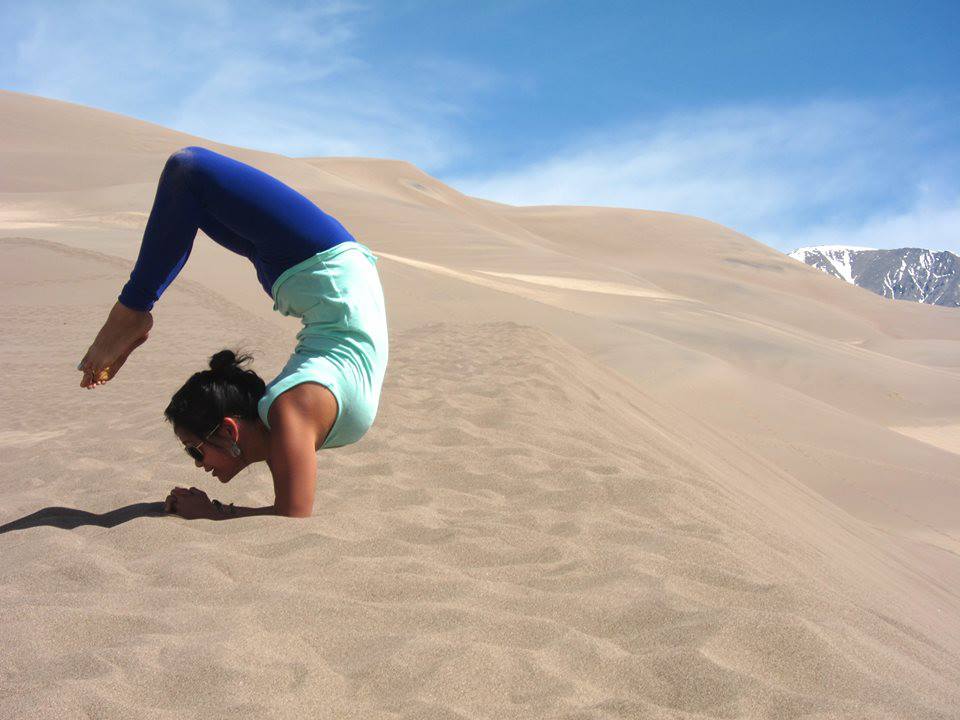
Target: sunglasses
{"type": "Point", "coordinates": [194, 451]}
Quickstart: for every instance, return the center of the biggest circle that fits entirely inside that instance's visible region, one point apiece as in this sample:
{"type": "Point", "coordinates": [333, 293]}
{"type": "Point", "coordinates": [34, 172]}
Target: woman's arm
{"type": "Point", "coordinates": [298, 422]}
{"type": "Point", "coordinates": [226, 512]}
{"type": "Point", "coordinates": [293, 454]}
{"type": "Point", "coordinates": [193, 503]}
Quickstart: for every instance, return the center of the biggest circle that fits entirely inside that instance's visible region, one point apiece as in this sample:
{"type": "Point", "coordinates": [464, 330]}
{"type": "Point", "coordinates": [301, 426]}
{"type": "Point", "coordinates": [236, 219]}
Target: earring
{"type": "Point", "coordinates": [235, 450]}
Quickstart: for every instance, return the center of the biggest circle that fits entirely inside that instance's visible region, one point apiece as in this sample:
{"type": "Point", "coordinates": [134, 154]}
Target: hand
{"type": "Point", "coordinates": [190, 504]}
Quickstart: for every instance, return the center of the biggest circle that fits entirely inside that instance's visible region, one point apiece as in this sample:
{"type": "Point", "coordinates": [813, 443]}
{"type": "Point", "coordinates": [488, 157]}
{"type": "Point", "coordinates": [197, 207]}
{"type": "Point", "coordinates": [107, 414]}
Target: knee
{"type": "Point", "coordinates": [180, 160]}
{"type": "Point", "coordinates": [182, 166]}
{"type": "Point", "coordinates": [184, 160]}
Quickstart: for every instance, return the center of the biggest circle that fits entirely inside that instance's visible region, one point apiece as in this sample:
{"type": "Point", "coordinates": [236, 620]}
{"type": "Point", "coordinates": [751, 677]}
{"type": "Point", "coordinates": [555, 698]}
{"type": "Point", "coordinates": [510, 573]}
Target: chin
{"type": "Point", "coordinates": [225, 478]}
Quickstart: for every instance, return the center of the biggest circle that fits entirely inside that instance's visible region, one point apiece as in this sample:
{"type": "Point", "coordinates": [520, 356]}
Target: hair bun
{"type": "Point", "coordinates": [225, 361]}
{"type": "Point", "coordinates": [227, 389]}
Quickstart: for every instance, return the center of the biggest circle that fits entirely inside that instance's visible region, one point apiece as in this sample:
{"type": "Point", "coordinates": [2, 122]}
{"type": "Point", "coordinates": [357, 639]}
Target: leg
{"type": "Point", "coordinates": [166, 245]}
{"type": "Point", "coordinates": [168, 238]}
{"type": "Point", "coordinates": [176, 216]}
{"type": "Point", "coordinates": [242, 208]}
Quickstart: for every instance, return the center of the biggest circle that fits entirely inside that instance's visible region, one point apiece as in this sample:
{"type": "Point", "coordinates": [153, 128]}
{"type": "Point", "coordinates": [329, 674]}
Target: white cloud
{"type": "Point", "coordinates": [289, 78]}
{"type": "Point", "coordinates": [782, 174]}
{"type": "Point", "coordinates": [303, 79]}
{"type": "Point", "coordinates": [934, 227]}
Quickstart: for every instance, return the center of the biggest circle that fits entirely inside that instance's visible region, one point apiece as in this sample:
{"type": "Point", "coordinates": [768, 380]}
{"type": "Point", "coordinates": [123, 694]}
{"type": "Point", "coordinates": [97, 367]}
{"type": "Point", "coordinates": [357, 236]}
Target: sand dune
{"type": "Point", "coordinates": [628, 464]}
{"type": "Point", "coordinates": [946, 437]}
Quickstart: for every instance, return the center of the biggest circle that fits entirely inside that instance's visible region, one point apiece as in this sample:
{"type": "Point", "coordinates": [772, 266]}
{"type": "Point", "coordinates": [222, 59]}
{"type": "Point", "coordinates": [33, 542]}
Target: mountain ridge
{"type": "Point", "coordinates": [931, 277]}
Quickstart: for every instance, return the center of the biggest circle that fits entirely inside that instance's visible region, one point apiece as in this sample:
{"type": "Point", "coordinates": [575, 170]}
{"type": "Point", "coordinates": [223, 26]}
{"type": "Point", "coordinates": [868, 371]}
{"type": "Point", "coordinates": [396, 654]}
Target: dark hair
{"type": "Point", "coordinates": [225, 390]}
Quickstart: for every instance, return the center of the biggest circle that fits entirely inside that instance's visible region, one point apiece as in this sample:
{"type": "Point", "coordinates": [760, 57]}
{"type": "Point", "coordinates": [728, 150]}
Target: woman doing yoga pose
{"type": "Point", "coordinates": [227, 418]}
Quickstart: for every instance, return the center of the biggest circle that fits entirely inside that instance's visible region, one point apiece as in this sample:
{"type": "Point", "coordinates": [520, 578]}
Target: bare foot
{"type": "Point", "coordinates": [91, 381]}
{"type": "Point", "coordinates": [123, 332]}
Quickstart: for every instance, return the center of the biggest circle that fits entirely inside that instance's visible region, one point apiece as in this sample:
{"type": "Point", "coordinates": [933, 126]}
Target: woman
{"type": "Point", "coordinates": [328, 393]}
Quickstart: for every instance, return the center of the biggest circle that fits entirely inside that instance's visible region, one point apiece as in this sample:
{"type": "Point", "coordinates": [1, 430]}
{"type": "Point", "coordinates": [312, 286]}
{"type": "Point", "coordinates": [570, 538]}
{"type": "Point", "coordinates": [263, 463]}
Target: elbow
{"type": "Point", "coordinates": [295, 511]}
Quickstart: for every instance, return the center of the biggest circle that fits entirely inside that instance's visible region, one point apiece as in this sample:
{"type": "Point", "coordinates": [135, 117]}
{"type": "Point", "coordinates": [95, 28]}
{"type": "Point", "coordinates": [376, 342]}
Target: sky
{"type": "Point", "coordinates": [798, 124]}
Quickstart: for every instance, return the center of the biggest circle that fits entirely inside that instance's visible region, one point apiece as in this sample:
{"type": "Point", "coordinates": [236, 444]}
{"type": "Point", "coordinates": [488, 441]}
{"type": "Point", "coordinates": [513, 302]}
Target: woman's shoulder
{"type": "Point", "coordinates": [307, 408]}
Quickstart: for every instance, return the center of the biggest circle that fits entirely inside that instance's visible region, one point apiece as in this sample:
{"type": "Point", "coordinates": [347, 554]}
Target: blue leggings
{"type": "Point", "coordinates": [237, 206]}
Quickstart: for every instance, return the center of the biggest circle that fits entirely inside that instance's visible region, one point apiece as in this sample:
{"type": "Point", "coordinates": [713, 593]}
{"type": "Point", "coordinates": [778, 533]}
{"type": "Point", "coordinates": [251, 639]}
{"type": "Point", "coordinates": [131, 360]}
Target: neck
{"type": "Point", "coordinates": [256, 447]}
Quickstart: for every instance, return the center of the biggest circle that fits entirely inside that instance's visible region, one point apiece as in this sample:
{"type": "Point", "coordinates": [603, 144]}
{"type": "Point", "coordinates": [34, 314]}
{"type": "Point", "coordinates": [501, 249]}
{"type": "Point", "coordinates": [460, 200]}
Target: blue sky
{"type": "Point", "coordinates": [796, 123]}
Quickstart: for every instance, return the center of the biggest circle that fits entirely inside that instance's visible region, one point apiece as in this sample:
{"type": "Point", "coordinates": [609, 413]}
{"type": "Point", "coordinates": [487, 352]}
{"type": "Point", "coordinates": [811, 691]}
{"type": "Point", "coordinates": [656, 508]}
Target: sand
{"type": "Point", "coordinates": [629, 464]}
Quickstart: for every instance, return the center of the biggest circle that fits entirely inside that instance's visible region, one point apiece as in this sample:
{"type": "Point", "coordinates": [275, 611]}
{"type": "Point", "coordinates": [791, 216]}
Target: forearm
{"type": "Point", "coordinates": [227, 512]}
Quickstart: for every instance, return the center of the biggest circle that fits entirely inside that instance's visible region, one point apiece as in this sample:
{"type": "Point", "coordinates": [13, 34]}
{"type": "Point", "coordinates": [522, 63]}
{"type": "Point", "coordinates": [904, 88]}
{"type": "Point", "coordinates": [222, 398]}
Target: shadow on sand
{"type": "Point", "coordinates": [70, 518]}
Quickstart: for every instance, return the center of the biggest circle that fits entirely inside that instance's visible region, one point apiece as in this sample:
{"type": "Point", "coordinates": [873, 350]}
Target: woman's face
{"type": "Point", "coordinates": [216, 459]}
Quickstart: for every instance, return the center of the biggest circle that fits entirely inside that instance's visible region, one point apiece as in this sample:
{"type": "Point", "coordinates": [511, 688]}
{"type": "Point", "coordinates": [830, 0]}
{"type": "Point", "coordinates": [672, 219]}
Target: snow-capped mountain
{"type": "Point", "coordinates": [913, 274]}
